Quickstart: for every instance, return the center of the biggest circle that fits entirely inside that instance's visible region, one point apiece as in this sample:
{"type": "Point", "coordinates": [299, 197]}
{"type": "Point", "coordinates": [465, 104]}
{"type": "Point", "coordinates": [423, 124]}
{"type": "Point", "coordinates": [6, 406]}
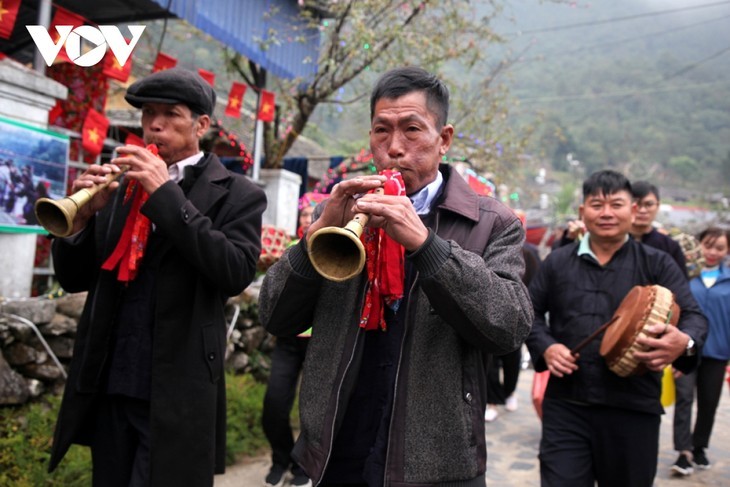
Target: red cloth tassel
{"type": "Point", "coordinates": [385, 265]}
{"type": "Point", "coordinates": [132, 244]}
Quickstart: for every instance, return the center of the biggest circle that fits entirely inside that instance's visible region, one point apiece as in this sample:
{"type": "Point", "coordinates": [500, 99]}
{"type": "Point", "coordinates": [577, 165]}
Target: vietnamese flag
{"type": "Point", "coordinates": [112, 68]}
{"type": "Point", "coordinates": [266, 107]}
{"type": "Point", "coordinates": [63, 17]}
{"type": "Point", "coordinates": [163, 62]}
{"type": "Point", "coordinates": [207, 76]}
{"type": "Point", "coordinates": [235, 100]}
{"type": "Point", "coordinates": [133, 139]}
{"type": "Point", "coordinates": [93, 132]}
{"type": "Point", "coordinates": [55, 112]}
{"type": "Point", "coordinates": [8, 14]}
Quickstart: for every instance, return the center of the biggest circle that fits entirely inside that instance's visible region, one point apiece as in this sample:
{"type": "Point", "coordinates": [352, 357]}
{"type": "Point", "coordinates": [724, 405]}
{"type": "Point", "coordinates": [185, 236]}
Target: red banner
{"type": "Point", "coordinates": [133, 139]}
{"type": "Point", "coordinates": [64, 17]}
{"type": "Point", "coordinates": [235, 100]}
{"type": "Point", "coordinates": [207, 76]}
{"type": "Point", "coordinates": [112, 68]}
{"type": "Point", "coordinates": [94, 132]}
{"type": "Point", "coordinates": [266, 106]}
{"type": "Point", "coordinates": [164, 62]}
{"type": "Point", "coordinates": [8, 14]}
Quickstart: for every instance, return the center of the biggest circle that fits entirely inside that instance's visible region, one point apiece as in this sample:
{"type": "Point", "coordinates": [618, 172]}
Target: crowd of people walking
{"type": "Point", "coordinates": [402, 365]}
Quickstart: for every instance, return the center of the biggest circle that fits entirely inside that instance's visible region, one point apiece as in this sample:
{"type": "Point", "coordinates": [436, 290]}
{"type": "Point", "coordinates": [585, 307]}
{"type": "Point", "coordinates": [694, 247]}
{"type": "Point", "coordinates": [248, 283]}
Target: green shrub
{"type": "Point", "coordinates": [26, 434]}
{"type": "Point", "coordinates": [244, 402]}
{"type": "Point", "coordinates": [25, 444]}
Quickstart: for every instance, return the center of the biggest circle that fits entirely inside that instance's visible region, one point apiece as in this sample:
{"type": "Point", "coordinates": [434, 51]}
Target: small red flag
{"type": "Point", "coordinates": [266, 106]}
{"type": "Point", "coordinates": [207, 76]}
{"type": "Point", "coordinates": [63, 17]}
{"type": "Point", "coordinates": [55, 112]}
{"type": "Point", "coordinates": [164, 62]}
{"type": "Point", "coordinates": [93, 132]}
{"type": "Point", "coordinates": [8, 14]}
{"type": "Point", "coordinates": [235, 100]}
{"type": "Point", "coordinates": [133, 139]}
{"type": "Point", "coordinates": [112, 68]}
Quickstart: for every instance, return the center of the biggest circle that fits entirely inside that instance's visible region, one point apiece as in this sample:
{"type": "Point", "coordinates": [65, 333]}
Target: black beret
{"type": "Point", "coordinates": [174, 85]}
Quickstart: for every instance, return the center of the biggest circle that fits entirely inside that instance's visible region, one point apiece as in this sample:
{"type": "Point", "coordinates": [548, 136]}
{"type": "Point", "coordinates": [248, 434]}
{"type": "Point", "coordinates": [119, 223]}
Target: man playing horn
{"type": "Point", "coordinates": [159, 254]}
{"type": "Point", "coordinates": [394, 386]}
{"type": "Point", "coordinates": [596, 425]}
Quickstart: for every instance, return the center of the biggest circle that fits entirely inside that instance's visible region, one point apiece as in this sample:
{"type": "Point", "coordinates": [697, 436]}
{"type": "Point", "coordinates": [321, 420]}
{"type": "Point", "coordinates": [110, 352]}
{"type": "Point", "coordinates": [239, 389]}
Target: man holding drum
{"type": "Point", "coordinates": [401, 401]}
{"type": "Point", "coordinates": [159, 255]}
{"type": "Point", "coordinates": [598, 426]}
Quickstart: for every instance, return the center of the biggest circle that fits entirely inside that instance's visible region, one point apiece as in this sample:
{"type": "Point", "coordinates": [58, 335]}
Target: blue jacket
{"type": "Point", "coordinates": [715, 303]}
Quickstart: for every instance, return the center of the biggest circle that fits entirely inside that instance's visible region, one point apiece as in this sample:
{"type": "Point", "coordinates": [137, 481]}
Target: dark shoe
{"type": "Point", "coordinates": [700, 458]}
{"type": "Point", "coordinates": [301, 480]}
{"type": "Point", "coordinates": [276, 476]}
{"type": "Point", "coordinates": [683, 465]}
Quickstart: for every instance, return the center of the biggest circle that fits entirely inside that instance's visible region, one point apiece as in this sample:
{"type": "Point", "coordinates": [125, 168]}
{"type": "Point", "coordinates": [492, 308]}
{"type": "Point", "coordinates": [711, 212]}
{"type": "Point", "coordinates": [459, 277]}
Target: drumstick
{"type": "Point", "coordinates": [592, 336]}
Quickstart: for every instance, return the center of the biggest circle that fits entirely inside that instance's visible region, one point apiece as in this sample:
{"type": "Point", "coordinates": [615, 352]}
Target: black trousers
{"type": "Point", "coordinates": [582, 445]}
{"type": "Point", "coordinates": [708, 381]}
{"type": "Point", "coordinates": [120, 449]}
{"type": "Point", "coordinates": [286, 364]}
{"type": "Point", "coordinates": [499, 389]}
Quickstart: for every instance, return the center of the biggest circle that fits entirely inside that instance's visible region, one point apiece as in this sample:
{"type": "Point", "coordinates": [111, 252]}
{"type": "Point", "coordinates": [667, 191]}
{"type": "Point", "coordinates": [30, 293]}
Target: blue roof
{"type": "Point", "coordinates": [244, 25]}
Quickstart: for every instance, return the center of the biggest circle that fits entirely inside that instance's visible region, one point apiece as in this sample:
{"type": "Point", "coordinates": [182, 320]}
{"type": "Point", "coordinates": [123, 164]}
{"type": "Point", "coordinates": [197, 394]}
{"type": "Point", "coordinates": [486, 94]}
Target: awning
{"type": "Point", "coordinates": [245, 26]}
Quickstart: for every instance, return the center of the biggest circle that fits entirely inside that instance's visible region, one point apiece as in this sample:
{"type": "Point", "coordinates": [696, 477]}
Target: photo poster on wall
{"type": "Point", "coordinates": [33, 164]}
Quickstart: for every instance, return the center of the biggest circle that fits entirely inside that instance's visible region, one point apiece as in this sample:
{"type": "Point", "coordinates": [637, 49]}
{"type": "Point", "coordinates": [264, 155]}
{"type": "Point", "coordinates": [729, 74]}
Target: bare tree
{"type": "Point", "coordinates": [450, 37]}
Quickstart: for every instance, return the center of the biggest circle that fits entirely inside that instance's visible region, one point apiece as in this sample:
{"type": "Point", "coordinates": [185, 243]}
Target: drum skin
{"type": "Point", "coordinates": [642, 307]}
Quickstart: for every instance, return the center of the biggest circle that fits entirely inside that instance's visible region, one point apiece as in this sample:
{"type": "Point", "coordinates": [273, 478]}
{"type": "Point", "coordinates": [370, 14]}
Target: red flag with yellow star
{"type": "Point", "coordinates": [266, 107]}
{"type": "Point", "coordinates": [112, 68]}
{"type": "Point", "coordinates": [93, 132]}
{"type": "Point", "coordinates": [235, 100]}
{"type": "Point", "coordinates": [8, 14]}
{"type": "Point", "coordinates": [207, 76]}
{"type": "Point", "coordinates": [164, 62]}
{"type": "Point", "coordinates": [133, 139]}
{"type": "Point", "coordinates": [63, 17]}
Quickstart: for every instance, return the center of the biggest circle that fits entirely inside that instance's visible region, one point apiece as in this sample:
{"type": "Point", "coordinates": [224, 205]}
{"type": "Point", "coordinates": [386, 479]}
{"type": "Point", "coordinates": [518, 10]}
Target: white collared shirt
{"type": "Point", "coordinates": [423, 199]}
{"type": "Point", "coordinates": [177, 170]}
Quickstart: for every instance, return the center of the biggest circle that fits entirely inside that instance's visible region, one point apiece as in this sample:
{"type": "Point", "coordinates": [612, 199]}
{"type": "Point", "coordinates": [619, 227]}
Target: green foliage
{"type": "Point", "coordinates": [633, 102]}
{"type": "Point", "coordinates": [245, 399]}
{"type": "Point", "coordinates": [25, 444]}
{"type": "Point", "coordinates": [686, 167]}
{"type": "Point", "coordinates": [26, 434]}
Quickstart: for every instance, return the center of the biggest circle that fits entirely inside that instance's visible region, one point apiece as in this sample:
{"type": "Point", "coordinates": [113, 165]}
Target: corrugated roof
{"type": "Point", "coordinates": [246, 26]}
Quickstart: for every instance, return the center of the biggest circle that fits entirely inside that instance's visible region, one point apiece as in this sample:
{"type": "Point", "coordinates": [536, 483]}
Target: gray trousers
{"type": "Point", "coordinates": [708, 381]}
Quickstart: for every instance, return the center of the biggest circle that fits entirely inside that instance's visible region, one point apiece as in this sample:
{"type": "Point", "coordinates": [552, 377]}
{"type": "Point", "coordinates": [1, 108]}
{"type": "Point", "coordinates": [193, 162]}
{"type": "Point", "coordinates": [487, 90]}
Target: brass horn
{"type": "Point", "coordinates": [57, 216]}
{"type": "Point", "coordinates": [337, 253]}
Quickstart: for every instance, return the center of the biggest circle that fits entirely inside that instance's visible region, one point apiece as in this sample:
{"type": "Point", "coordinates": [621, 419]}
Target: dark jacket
{"type": "Point", "coordinates": [579, 295]}
{"type": "Point", "coordinates": [211, 244]}
{"type": "Point", "coordinates": [666, 243]}
{"type": "Point", "coordinates": [466, 301]}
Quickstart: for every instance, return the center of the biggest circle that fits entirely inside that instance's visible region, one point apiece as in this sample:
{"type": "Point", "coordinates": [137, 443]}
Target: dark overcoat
{"type": "Point", "coordinates": [211, 225]}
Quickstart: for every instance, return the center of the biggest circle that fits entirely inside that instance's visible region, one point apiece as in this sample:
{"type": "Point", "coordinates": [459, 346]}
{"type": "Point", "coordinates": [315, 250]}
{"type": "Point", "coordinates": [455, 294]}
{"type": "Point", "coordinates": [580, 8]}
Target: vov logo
{"type": "Point", "coordinates": [71, 38]}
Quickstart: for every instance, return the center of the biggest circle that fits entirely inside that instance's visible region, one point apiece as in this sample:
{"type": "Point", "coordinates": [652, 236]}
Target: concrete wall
{"type": "Point", "coordinates": [282, 192]}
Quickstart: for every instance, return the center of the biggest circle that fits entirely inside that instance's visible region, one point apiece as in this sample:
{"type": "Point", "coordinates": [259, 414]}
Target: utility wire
{"type": "Point", "coordinates": [694, 65]}
{"type": "Point", "coordinates": [595, 96]}
{"type": "Point", "coordinates": [617, 19]}
{"type": "Point", "coordinates": [618, 41]}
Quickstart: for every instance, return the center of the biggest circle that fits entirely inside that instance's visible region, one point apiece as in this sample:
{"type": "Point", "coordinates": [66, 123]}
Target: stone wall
{"type": "Point", "coordinates": [29, 365]}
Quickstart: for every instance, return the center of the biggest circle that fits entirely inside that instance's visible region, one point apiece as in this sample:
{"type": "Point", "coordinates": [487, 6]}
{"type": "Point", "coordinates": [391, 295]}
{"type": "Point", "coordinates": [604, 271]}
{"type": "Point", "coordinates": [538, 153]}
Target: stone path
{"type": "Point", "coordinates": [512, 446]}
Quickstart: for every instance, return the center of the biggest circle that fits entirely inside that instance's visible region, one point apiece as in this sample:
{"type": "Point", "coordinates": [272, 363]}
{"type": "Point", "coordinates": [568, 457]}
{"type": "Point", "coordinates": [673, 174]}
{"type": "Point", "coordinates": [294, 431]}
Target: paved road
{"type": "Point", "coordinates": [512, 445]}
